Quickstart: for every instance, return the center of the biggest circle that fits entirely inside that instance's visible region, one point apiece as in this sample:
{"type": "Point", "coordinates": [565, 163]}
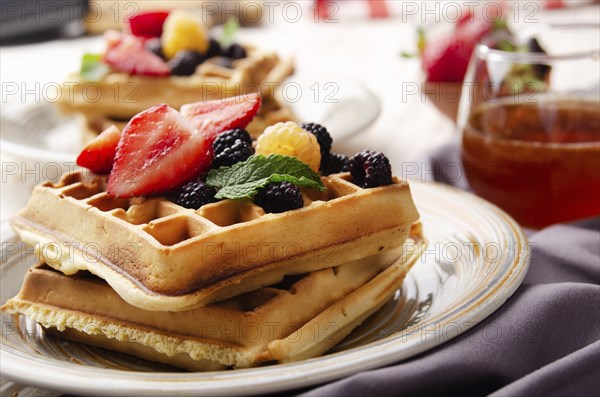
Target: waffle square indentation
{"type": "Point", "coordinates": [175, 229]}
{"type": "Point", "coordinates": [229, 212]}
{"type": "Point", "coordinates": [105, 202]}
{"type": "Point", "coordinates": [142, 212]}
{"type": "Point", "coordinates": [81, 191]}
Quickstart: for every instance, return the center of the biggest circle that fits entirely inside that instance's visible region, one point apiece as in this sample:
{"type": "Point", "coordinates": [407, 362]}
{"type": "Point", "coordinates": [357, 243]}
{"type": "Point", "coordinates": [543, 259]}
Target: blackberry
{"type": "Point", "coordinates": [279, 197]}
{"type": "Point", "coordinates": [228, 138]}
{"type": "Point", "coordinates": [334, 163]}
{"type": "Point", "coordinates": [195, 194]}
{"type": "Point", "coordinates": [370, 169]}
{"type": "Point", "coordinates": [214, 48]}
{"type": "Point", "coordinates": [322, 135]}
{"type": "Point", "coordinates": [185, 62]}
{"type": "Point", "coordinates": [239, 151]}
{"type": "Point", "coordinates": [155, 47]}
{"type": "Point", "coordinates": [235, 51]}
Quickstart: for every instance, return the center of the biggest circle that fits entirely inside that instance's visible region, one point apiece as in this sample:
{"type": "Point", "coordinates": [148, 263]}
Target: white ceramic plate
{"type": "Point", "coordinates": [476, 258]}
{"type": "Point", "coordinates": [343, 105]}
{"type": "Point", "coordinates": [38, 132]}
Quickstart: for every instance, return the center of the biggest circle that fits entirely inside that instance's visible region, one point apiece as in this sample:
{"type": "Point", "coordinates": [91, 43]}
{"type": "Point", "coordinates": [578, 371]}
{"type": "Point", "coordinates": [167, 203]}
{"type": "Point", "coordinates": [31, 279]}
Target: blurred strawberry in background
{"type": "Point", "coordinates": [147, 24]}
{"type": "Point", "coordinates": [445, 59]}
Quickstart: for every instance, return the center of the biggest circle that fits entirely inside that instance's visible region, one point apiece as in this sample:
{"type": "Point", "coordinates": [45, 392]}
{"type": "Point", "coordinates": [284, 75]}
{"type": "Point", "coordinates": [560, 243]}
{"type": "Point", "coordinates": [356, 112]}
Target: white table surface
{"type": "Point", "coordinates": [368, 51]}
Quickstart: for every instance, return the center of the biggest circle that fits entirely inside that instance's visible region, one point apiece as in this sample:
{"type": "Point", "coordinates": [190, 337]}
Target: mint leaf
{"type": "Point", "coordinates": [92, 67]}
{"type": "Point", "coordinates": [230, 28]}
{"type": "Point", "coordinates": [243, 180]}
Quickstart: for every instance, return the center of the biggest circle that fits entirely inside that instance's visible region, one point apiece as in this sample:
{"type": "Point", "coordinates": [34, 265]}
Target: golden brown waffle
{"type": "Point", "coordinates": [302, 317]}
{"type": "Point", "coordinates": [120, 96]}
{"type": "Point", "coordinates": [160, 256]}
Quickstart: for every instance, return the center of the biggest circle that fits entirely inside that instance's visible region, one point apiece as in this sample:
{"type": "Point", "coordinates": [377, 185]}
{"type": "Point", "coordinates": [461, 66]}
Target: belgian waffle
{"type": "Point", "coordinates": [301, 317]}
{"type": "Point", "coordinates": [120, 96]}
{"type": "Point", "coordinates": [160, 256]}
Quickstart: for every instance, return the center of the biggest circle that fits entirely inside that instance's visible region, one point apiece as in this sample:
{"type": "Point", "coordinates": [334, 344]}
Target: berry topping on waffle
{"type": "Point", "coordinates": [279, 197]}
{"type": "Point", "coordinates": [128, 54]}
{"type": "Point", "coordinates": [370, 169]}
{"type": "Point", "coordinates": [228, 138]}
{"type": "Point", "coordinates": [182, 31]}
{"type": "Point", "coordinates": [159, 151]}
{"type": "Point", "coordinates": [195, 194]}
{"type": "Point", "coordinates": [214, 117]}
{"type": "Point", "coordinates": [289, 139]}
{"type": "Point", "coordinates": [334, 163]}
{"type": "Point", "coordinates": [98, 155]}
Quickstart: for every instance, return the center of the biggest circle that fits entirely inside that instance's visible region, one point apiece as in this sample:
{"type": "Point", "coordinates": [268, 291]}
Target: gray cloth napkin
{"type": "Point", "coordinates": [544, 341]}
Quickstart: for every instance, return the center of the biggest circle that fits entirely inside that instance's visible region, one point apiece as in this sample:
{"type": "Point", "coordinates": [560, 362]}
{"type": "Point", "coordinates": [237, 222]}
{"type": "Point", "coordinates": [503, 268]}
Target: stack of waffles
{"type": "Point", "coordinates": [223, 286]}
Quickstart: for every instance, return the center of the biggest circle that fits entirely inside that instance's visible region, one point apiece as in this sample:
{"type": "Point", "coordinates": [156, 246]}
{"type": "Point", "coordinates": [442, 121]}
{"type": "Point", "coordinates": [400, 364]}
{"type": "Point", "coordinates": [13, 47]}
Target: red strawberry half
{"type": "Point", "coordinates": [159, 150]}
{"type": "Point", "coordinates": [126, 53]}
{"type": "Point", "coordinates": [213, 117]}
{"type": "Point", "coordinates": [148, 24]}
{"type": "Point", "coordinates": [99, 154]}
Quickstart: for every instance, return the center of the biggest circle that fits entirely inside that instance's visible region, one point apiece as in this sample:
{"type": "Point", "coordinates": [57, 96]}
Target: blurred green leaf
{"type": "Point", "coordinates": [92, 68]}
{"type": "Point", "coordinates": [230, 28]}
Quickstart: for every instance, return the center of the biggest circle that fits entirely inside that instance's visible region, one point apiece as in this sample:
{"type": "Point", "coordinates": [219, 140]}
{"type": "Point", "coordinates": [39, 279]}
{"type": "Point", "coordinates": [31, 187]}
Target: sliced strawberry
{"type": "Point", "coordinates": [213, 117]}
{"type": "Point", "coordinates": [126, 53]}
{"type": "Point", "coordinates": [99, 154]}
{"type": "Point", "coordinates": [148, 24]}
{"type": "Point", "coordinates": [159, 150]}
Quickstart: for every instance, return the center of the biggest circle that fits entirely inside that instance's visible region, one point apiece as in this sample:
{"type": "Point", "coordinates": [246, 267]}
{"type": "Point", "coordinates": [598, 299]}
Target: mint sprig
{"type": "Point", "coordinates": [92, 68]}
{"type": "Point", "coordinates": [243, 180]}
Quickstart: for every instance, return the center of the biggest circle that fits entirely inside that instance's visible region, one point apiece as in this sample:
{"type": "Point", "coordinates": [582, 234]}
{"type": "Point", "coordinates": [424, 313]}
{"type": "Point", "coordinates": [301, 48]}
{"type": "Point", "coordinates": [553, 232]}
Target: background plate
{"type": "Point", "coordinates": [476, 258]}
{"type": "Point", "coordinates": [343, 105]}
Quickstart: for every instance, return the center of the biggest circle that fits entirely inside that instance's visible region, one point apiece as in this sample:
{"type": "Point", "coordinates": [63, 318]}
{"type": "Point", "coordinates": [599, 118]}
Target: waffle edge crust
{"type": "Point", "coordinates": [298, 319]}
{"type": "Point", "coordinates": [160, 256]}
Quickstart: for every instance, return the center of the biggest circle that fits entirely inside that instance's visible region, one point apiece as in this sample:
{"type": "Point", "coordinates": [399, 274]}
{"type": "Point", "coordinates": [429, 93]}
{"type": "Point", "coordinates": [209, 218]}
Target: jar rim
{"type": "Point", "coordinates": [485, 51]}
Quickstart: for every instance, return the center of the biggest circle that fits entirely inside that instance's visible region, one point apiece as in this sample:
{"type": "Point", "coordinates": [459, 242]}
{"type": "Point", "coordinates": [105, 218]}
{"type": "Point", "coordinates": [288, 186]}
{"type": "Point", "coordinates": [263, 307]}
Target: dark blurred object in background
{"type": "Point", "coordinates": [23, 20]}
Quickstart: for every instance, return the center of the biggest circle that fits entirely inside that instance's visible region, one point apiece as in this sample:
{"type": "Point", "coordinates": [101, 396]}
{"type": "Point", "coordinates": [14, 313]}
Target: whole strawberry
{"type": "Point", "coordinates": [446, 59]}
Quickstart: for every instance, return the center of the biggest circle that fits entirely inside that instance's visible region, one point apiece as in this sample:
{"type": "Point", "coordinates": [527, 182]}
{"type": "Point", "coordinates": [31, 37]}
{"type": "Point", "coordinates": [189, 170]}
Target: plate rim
{"type": "Point", "coordinates": [70, 378]}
